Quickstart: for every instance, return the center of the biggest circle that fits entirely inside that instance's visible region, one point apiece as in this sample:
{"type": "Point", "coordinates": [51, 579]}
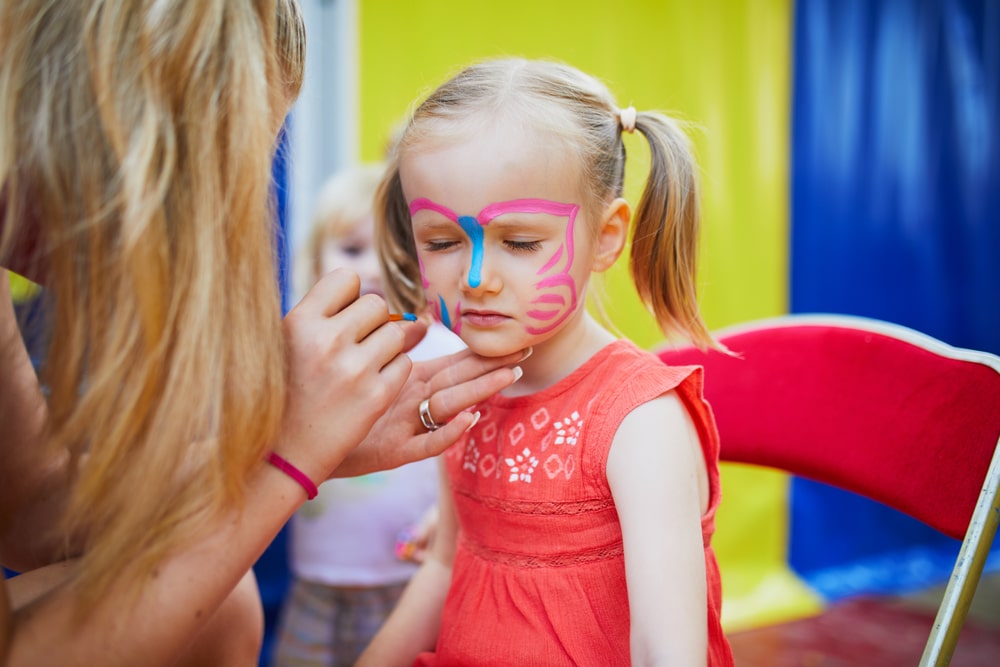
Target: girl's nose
{"type": "Point", "coordinates": [475, 279]}
{"type": "Point", "coordinates": [481, 276]}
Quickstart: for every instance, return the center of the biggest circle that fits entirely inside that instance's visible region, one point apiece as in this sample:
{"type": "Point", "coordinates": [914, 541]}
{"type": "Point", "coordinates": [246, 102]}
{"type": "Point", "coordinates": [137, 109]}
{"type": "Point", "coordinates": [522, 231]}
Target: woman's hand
{"type": "Point", "coordinates": [345, 367]}
{"type": "Point", "coordinates": [452, 384]}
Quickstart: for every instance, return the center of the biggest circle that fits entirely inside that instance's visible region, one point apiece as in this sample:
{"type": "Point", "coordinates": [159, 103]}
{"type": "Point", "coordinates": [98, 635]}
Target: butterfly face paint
{"type": "Point", "coordinates": [555, 292]}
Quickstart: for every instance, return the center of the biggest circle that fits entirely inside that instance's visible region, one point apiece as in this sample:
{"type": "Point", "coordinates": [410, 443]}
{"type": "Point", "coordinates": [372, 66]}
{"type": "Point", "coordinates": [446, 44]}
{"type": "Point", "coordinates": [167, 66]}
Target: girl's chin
{"type": "Point", "coordinates": [493, 348]}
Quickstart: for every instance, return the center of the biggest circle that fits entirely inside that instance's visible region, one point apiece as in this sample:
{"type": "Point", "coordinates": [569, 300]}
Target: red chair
{"type": "Point", "coordinates": [874, 408]}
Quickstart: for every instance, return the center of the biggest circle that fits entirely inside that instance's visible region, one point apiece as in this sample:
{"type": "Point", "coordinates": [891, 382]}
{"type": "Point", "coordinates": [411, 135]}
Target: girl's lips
{"type": "Point", "coordinates": [483, 318]}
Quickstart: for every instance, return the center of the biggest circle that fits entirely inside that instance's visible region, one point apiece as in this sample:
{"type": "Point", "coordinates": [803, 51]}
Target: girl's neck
{"type": "Point", "coordinates": [557, 357]}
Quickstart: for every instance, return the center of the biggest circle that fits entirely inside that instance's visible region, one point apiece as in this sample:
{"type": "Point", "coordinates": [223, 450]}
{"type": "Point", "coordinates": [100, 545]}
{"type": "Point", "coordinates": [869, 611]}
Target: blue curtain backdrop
{"type": "Point", "coordinates": [895, 199]}
{"type": "Point", "coordinates": [271, 568]}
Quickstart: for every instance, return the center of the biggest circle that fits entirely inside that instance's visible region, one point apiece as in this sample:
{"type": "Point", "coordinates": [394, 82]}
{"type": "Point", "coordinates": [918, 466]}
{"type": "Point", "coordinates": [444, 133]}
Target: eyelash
{"type": "Point", "coordinates": [523, 246]}
{"type": "Point", "coordinates": [515, 246]}
{"type": "Point", "coordinates": [438, 246]}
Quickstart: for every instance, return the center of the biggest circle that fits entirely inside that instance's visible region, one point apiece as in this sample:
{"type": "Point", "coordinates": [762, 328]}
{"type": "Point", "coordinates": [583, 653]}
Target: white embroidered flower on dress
{"type": "Point", "coordinates": [521, 466]}
{"type": "Point", "coordinates": [567, 430]}
{"type": "Point", "coordinates": [471, 459]}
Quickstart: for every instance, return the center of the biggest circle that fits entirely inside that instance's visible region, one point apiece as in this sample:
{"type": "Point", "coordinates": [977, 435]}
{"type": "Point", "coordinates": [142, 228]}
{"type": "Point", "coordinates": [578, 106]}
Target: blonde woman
{"type": "Point", "coordinates": [135, 146]}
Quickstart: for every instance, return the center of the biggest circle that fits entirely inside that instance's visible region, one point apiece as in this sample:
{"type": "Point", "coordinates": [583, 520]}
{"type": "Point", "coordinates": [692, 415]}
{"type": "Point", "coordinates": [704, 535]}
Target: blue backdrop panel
{"type": "Point", "coordinates": [271, 569]}
{"type": "Point", "coordinates": [895, 202]}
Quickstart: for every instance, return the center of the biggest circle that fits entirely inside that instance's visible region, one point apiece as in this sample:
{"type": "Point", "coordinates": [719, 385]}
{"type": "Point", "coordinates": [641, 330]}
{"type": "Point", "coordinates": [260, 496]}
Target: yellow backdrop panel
{"type": "Point", "coordinates": [21, 289]}
{"type": "Point", "coordinates": [721, 65]}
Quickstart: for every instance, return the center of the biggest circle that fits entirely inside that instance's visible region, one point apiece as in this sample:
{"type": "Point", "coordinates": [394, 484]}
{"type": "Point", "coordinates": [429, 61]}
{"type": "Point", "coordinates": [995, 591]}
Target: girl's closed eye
{"type": "Point", "coordinates": [440, 245]}
{"type": "Point", "coordinates": [523, 246]}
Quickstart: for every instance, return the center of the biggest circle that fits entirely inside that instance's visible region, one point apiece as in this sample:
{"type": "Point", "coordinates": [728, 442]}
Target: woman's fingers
{"type": "Point", "coordinates": [336, 293]}
{"type": "Point", "coordinates": [414, 331]}
{"type": "Point", "coordinates": [463, 366]}
{"type": "Point", "coordinates": [435, 442]}
{"type": "Point", "coordinates": [461, 380]}
{"type": "Point", "coordinates": [452, 399]}
{"type": "Point", "coordinates": [332, 293]}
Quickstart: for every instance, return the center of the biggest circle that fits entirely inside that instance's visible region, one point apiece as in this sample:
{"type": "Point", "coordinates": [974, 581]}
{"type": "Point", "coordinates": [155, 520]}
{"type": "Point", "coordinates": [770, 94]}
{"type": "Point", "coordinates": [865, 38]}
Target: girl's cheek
{"type": "Point", "coordinates": [443, 312]}
{"type": "Point", "coordinates": [435, 302]}
{"type": "Point", "coordinates": [435, 307]}
{"type": "Point", "coordinates": [440, 285]}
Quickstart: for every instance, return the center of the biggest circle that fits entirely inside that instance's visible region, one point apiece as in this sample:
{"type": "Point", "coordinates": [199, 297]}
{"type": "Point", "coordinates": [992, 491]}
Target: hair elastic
{"type": "Point", "coordinates": [284, 466]}
{"type": "Point", "coordinates": [627, 117]}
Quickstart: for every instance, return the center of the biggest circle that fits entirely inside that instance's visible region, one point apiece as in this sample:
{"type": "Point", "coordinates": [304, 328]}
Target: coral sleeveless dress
{"type": "Point", "coordinates": [539, 571]}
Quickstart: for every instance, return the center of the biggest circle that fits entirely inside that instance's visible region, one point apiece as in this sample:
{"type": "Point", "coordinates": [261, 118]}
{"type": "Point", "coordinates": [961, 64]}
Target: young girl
{"type": "Point", "coordinates": [577, 514]}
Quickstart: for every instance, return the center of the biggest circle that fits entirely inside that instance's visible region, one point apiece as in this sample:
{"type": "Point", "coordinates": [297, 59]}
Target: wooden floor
{"type": "Point", "coordinates": [870, 632]}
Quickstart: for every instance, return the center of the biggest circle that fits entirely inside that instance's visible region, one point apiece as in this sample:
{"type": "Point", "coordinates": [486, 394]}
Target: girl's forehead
{"type": "Point", "coordinates": [491, 135]}
{"type": "Point", "coordinates": [502, 163]}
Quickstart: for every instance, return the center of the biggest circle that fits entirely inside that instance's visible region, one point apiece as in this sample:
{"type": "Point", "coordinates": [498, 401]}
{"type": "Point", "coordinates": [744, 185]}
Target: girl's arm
{"type": "Point", "coordinates": [660, 488]}
{"type": "Point", "coordinates": [414, 624]}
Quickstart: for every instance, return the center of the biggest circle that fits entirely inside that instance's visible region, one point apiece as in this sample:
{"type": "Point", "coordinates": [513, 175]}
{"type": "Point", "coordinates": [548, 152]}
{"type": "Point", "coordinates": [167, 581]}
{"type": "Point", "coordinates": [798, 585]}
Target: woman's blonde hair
{"type": "Point", "coordinates": [135, 145]}
{"type": "Point", "coordinates": [560, 101]}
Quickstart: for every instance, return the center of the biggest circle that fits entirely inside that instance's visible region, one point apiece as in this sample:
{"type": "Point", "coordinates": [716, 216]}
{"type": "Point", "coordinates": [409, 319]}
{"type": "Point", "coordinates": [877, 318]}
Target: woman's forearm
{"type": "Point", "coordinates": [155, 625]}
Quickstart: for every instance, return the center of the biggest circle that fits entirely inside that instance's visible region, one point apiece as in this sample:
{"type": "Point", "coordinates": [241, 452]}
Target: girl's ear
{"type": "Point", "coordinates": [612, 234]}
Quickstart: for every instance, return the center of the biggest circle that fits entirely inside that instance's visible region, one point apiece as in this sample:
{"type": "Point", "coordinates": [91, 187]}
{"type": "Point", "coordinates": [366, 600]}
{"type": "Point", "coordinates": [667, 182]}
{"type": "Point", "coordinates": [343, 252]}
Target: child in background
{"type": "Point", "coordinates": [576, 516]}
{"type": "Point", "coordinates": [342, 545]}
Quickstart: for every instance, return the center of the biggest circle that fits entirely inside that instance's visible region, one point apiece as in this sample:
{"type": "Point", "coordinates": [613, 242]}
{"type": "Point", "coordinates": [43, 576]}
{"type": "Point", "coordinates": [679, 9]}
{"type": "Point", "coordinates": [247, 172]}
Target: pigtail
{"type": "Point", "coordinates": [665, 237]}
{"type": "Point", "coordinates": [396, 249]}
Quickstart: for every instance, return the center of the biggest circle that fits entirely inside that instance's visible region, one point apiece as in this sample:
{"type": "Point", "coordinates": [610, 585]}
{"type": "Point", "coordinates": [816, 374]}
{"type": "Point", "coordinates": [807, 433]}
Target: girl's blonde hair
{"type": "Point", "coordinates": [345, 201]}
{"type": "Point", "coordinates": [135, 145]}
{"type": "Point", "coordinates": [560, 101]}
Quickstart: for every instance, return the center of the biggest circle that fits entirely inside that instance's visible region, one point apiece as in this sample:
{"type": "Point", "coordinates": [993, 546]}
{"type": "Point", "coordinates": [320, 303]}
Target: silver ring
{"type": "Point", "coordinates": [425, 416]}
